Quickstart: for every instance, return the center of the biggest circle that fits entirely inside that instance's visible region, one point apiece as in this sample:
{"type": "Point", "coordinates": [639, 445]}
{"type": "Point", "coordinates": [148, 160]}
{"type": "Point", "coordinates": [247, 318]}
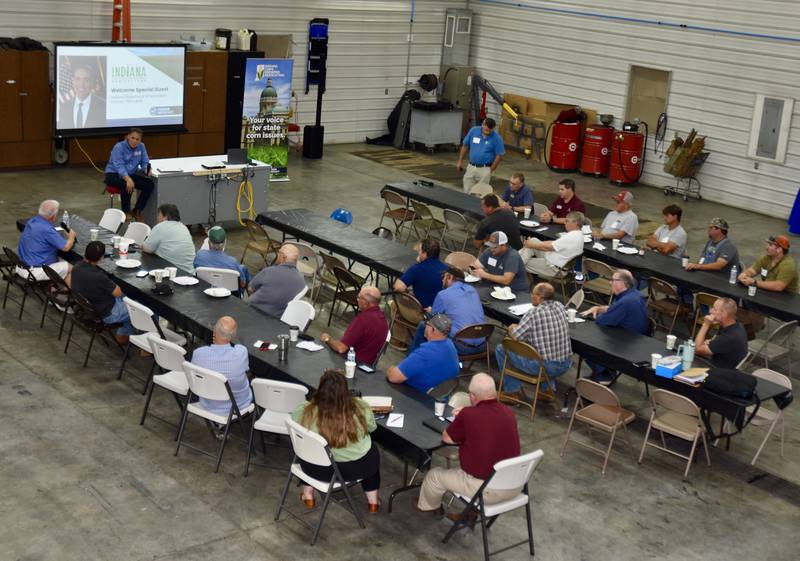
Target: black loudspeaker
{"type": "Point", "coordinates": [237, 63]}
{"type": "Point", "coordinates": [313, 136]}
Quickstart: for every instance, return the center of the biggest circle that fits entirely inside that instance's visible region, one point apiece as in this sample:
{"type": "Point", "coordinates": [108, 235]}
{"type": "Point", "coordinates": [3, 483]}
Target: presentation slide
{"type": "Point", "coordinates": [101, 87]}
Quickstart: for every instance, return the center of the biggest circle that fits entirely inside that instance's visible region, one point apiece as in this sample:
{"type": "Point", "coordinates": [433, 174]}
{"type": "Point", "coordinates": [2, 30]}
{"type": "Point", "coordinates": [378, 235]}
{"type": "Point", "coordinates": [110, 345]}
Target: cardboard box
{"type": "Point", "coordinates": [669, 366]}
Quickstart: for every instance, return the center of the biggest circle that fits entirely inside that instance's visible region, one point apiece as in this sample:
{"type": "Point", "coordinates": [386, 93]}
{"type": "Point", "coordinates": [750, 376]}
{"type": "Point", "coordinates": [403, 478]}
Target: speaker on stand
{"type": "Point", "coordinates": [314, 135]}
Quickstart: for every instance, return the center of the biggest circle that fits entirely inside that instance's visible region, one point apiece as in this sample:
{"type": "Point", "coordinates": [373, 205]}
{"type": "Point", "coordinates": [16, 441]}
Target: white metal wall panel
{"type": "Point", "coordinates": [367, 57]}
{"type": "Point", "coordinates": [562, 50]}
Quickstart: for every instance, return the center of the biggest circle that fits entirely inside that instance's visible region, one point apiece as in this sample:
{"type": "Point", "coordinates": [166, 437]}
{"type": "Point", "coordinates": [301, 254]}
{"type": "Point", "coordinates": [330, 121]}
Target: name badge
{"type": "Point", "coordinates": [701, 260]}
{"type": "Point", "coordinates": [764, 273]}
{"type": "Point", "coordinates": [665, 239]}
{"type": "Point", "coordinates": [615, 225]}
{"type": "Point", "coordinates": [558, 207]}
{"type": "Point", "coordinates": [476, 140]}
{"type": "Point", "coordinates": [492, 262]}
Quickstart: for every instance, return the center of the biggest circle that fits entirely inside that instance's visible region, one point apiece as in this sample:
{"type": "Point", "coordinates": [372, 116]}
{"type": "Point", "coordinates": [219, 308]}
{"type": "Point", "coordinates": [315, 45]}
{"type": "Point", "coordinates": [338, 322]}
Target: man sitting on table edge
{"type": "Point", "coordinates": [729, 347]}
{"type": "Point", "coordinates": [216, 257]}
{"type": "Point", "coordinates": [431, 363]}
{"type": "Point", "coordinates": [628, 311]}
{"type": "Point", "coordinates": [501, 264]}
{"type": "Point", "coordinates": [366, 332]}
{"type": "Point", "coordinates": [776, 271]}
{"type": "Point", "coordinates": [517, 195]}
{"type": "Point", "coordinates": [40, 243]}
{"type": "Point", "coordinates": [546, 258]}
{"type": "Point", "coordinates": [621, 223]}
{"type": "Point", "coordinates": [486, 433]}
{"type": "Point", "coordinates": [566, 202]}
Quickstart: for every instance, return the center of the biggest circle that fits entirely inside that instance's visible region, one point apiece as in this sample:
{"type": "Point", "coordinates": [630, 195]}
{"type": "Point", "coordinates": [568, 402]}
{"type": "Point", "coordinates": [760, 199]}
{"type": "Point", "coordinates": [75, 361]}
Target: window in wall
{"type": "Point", "coordinates": [647, 94]}
{"type": "Point", "coordinates": [769, 133]}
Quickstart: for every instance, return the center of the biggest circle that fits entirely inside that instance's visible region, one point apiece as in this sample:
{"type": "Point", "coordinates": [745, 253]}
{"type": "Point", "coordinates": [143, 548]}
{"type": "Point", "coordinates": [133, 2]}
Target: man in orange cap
{"type": "Point", "coordinates": [775, 271]}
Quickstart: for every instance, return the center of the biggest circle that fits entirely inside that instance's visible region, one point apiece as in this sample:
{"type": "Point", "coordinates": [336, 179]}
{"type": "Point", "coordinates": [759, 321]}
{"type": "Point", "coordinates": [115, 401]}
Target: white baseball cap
{"type": "Point", "coordinates": [497, 238]}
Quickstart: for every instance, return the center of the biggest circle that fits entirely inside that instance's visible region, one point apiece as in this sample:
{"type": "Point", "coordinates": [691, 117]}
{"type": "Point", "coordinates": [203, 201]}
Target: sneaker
{"type": "Point", "coordinates": [602, 378]}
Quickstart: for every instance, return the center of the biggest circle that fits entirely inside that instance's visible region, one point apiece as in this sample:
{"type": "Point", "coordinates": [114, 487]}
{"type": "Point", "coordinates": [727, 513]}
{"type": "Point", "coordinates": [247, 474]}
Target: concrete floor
{"type": "Point", "coordinates": [82, 479]}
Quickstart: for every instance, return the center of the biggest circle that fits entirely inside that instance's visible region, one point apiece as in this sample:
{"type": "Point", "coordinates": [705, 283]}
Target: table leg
{"type": "Point", "coordinates": [423, 462]}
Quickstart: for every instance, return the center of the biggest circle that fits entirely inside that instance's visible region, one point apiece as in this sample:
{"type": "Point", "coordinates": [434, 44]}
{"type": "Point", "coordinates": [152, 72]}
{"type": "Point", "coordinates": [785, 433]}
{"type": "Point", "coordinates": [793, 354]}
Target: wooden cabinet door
{"type": "Point", "coordinates": [193, 88]}
{"type": "Point", "coordinates": [216, 77]}
{"type": "Point", "coordinates": [10, 100]}
{"type": "Point", "coordinates": [35, 95]}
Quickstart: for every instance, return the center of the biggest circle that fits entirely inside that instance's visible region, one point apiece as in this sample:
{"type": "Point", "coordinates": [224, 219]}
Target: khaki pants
{"type": "Point", "coordinates": [60, 267]}
{"type": "Point", "coordinates": [438, 481]}
{"type": "Point", "coordinates": [475, 175]}
{"type": "Point", "coordinates": [536, 263]}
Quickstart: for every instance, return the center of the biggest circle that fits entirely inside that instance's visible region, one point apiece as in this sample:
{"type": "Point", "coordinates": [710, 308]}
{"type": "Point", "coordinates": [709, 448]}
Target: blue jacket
{"type": "Point", "coordinates": [628, 311]}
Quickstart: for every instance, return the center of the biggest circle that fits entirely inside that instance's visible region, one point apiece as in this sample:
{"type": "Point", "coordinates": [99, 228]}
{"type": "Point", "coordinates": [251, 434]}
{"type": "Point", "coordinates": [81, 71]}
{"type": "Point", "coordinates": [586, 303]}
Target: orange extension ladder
{"type": "Point", "coordinates": [121, 27]}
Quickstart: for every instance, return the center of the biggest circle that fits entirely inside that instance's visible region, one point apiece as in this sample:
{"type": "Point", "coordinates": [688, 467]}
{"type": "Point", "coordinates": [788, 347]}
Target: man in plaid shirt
{"type": "Point", "coordinates": [546, 329]}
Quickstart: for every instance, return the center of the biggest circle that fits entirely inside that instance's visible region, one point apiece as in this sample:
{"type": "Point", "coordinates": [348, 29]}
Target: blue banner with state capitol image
{"type": "Point", "coordinates": [266, 110]}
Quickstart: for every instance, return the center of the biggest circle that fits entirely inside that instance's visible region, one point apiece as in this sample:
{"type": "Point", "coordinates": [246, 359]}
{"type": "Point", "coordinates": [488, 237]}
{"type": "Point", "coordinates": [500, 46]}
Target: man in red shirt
{"type": "Point", "coordinates": [367, 332]}
{"type": "Point", "coordinates": [486, 433]}
{"type": "Point", "coordinates": [566, 202]}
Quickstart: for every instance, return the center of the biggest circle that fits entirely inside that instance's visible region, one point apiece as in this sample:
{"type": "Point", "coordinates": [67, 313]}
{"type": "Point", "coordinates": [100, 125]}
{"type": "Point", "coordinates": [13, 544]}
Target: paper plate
{"type": "Point", "coordinates": [628, 250]}
{"type": "Point", "coordinates": [587, 239]}
{"type": "Point", "coordinates": [501, 296]}
{"type": "Point", "coordinates": [185, 281]}
{"type": "Point", "coordinates": [471, 278]}
{"type": "Point", "coordinates": [217, 292]}
{"type": "Point", "coordinates": [128, 263]}
{"type": "Point", "coordinates": [529, 223]}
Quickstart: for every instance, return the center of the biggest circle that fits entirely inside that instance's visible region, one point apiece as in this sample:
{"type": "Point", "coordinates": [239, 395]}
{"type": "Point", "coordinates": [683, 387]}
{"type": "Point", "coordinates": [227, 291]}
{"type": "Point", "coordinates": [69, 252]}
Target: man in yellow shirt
{"type": "Point", "coordinates": [775, 271]}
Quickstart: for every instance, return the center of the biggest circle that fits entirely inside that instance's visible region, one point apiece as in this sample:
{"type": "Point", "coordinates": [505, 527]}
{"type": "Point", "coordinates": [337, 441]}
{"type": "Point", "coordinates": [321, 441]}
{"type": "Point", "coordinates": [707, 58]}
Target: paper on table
{"type": "Point", "coordinates": [599, 246]}
{"type": "Point", "coordinates": [578, 320]}
{"type": "Point", "coordinates": [309, 346]}
{"type": "Point", "coordinates": [542, 229]}
{"type": "Point", "coordinates": [395, 420]}
{"type": "Point", "coordinates": [520, 309]}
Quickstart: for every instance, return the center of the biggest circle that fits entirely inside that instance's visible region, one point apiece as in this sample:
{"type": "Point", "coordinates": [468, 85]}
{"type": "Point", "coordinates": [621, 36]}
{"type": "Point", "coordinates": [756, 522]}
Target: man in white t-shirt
{"type": "Point", "coordinates": [670, 237]}
{"type": "Point", "coordinates": [545, 258]}
{"type": "Point", "coordinates": [621, 223]}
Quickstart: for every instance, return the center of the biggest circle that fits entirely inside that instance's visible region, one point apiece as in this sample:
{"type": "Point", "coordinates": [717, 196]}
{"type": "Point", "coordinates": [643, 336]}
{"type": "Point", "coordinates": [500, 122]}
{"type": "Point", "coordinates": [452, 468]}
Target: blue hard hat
{"type": "Point", "coordinates": [342, 215]}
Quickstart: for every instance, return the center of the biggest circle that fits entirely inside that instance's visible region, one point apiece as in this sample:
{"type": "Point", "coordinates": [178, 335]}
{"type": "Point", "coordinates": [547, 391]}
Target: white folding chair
{"type": "Point", "coordinates": [112, 219]}
{"type": "Point", "coordinates": [138, 232]}
{"type": "Point", "coordinates": [507, 475]}
{"type": "Point", "coordinates": [169, 357]}
{"type": "Point", "coordinates": [222, 278]}
{"type": "Point", "coordinates": [275, 400]}
{"type": "Point", "coordinates": [204, 245]}
{"type": "Point", "coordinates": [143, 319]}
{"type": "Point", "coordinates": [313, 449]}
{"type": "Point", "coordinates": [298, 313]}
{"type": "Point", "coordinates": [307, 262]}
{"type": "Point", "coordinates": [300, 294]}
{"type": "Point", "coordinates": [207, 384]}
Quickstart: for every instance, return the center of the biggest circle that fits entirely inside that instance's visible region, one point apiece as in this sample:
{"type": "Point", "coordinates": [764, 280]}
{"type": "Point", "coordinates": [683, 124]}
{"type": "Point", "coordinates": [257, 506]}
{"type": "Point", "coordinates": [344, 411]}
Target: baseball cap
{"type": "Point", "coordinates": [626, 196]}
{"type": "Point", "coordinates": [720, 223]}
{"type": "Point", "coordinates": [497, 238]}
{"type": "Point", "coordinates": [781, 241]}
{"type": "Point", "coordinates": [441, 323]}
{"type": "Point", "coordinates": [216, 234]}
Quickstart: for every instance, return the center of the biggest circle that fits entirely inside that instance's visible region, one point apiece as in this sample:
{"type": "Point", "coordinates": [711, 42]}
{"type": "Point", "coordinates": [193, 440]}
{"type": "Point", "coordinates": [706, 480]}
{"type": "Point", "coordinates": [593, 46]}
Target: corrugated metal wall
{"type": "Point", "coordinates": [557, 51]}
{"type": "Point", "coordinates": [367, 51]}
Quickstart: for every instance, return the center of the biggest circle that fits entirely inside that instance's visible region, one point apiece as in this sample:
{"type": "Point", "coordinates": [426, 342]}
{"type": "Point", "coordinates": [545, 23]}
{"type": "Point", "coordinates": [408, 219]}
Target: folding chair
{"type": "Point", "coordinates": [423, 220]}
{"type": "Point", "coordinates": [307, 262]}
{"type": "Point", "coordinates": [477, 331]}
{"type": "Point", "coordinates": [298, 313]}
{"type": "Point", "coordinates": [21, 276]}
{"type": "Point", "coordinates": [768, 417]}
{"type": "Point", "coordinates": [260, 242]}
{"type": "Point", "coordinates": [348, 286]}
{"type": "Point", "coordinates": [274, 402]}
{"type": "Point", "coordinates": [326, 277]}
{"type": "Point", "coordinates": [523, 350]}
{"type": "Point", "coordinates": [513, 473]}
{"type": "Point", "coordinates": [601, 284]}
{"type": "Point", "coordinates": [169, 357]}
{"type": "Point", "coordinates": [460, 260]}
{"type": "Point", "coordinates": [138, 232]}
{"type": "Point", "coordinates": [59, 295]}
{"type": "Point", "coordinates": [665, 304]}
{"type": "Point", "coordinates": [222, 278]}
{"type": "Point", "coordinates": [562, 276]}
{"type": "Point", "coordinates": [395, 207]}
{"type": "Point", "coordinates": [112, 219]}
{"type": "Point", "coordinates": [86, 318]}
{"type": "Point", "coordinates": [538, 209]}
{"type": "Point", "coordinates": [576, 300]}
{"type": "Point", "coordinates": [207, 384]}
{"type": "Point", "coordinates": [312, 448]}
{"type": "Point", "coordinates": [458, 231]}
{"type": "Point", "coordinates": [703, 301]}
{"type": "Point", "coordinates": [408, 312]}
{"type": "Point", "coordinates": [777, 345]}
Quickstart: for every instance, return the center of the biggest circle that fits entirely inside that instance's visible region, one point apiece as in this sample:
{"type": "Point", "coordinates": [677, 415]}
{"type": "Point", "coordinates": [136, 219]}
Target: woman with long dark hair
{"type": "Point", "coordinates": [345, 422]}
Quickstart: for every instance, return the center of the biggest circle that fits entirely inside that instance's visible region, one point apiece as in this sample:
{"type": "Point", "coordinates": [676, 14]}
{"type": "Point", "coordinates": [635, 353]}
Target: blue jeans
{"type": "Point", "coordinates": [419, 338]}
{"type": "Point", "coordinates": [119, 314]}
{"type": "Point", "coordinates": [554, 368]}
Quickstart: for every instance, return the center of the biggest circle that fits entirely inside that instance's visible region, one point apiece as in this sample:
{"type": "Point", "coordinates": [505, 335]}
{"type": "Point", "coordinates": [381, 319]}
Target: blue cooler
{"type": "Point", "coordinates": [669, 366]}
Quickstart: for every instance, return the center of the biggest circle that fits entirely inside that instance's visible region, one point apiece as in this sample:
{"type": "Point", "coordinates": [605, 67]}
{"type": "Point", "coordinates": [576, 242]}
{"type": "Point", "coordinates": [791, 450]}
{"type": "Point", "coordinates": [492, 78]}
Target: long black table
{"type": "Point", "coordinates": [382, 255]}
{"type": "Point", "coordinates": [782, 305]}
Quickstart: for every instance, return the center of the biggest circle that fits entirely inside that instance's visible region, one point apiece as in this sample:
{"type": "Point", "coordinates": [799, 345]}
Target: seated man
{"type": "Point", "coordinates": [486, 433]}
{"type": "Point", "coordinates": [231, 361]}
{"type": "Point", "coordinates": [776, 271]}
{"type": "Point", "coordinates": [621, 223]}
{"type": "Point", "coordinates": [128, 168]}
{"type": "Point", "coordinates": [729, 346]}
{"type": "Point", "coordinates": [91, 282]}
{"type": "Point", "coordinates": [215, 256]}
{"type": "Point", "coordinates": [501, 264]}
{"type": "Point", "coordinates": [545, 328]}
{"type": "Point", "coordinates": [425, 276]}
{"type": "Point", "coordinates": [566, 202]}
{"type": "Point", "coordinates": [40, 243]}
{"type": "Point", "coordinates": [459, 302]}
{"type": "Point", "coordinates": [545, 258]}
{"type": "Point", "coordinates": [628, 311]}
{"type": "Point", "coordinates": [719, 253]}
{"type": "Point", "coordinates": [670, 237]}
{"type": "Point", "coordinates": [433, 362]}
{"type": "Point", "coordinates": [517, 195]}
{"type": "Point", "coordinates": [497, 219]}
{"type": "Point", "coordinates": [170, 239]}
{"type": "Point", "coordinates": [367, 332]}
{"type": "Point", "coordinates": [275, 286]}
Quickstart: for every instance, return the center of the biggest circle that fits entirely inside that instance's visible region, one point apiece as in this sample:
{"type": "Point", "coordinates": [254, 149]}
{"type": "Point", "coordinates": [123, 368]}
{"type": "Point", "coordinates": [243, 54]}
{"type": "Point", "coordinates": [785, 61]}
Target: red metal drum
{"type": "Point", "coordinates": [626, 149]}
{"type": "Point", "coordinates": [564, 146]}
{"type": "Point", "coordinates": [596, 150]}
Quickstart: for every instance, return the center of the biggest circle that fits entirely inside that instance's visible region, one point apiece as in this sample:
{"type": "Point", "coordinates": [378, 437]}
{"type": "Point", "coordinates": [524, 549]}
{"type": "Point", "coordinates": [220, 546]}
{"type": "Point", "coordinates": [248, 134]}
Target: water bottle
{"type": "Point", "coordinates": [734, 274]}
{"type": "Point", "coordinates": [351, 355]}
{"type": "Point", "coordinates": [65, 219]}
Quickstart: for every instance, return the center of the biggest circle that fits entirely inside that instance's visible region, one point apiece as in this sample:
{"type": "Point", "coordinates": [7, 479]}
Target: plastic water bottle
{"type": "Point", "coordinates": [734, 274]}
{"type": "Point", "coordinates": [65, 219]}
{"type": "Point", "coordinates": [351, 355]}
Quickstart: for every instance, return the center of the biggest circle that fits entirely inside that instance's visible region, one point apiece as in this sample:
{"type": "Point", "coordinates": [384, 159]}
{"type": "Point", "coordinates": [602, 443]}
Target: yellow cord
{"type": "Point", "coordinates": [246, 193]}
{"type": "Point", "coordinates": [87, 156]}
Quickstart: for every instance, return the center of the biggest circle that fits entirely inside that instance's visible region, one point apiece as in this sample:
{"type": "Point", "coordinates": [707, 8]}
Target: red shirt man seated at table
{"type": "Point", "coordinates": [367, 332]}
{"type": "Point", "coordinates": [566, 202]}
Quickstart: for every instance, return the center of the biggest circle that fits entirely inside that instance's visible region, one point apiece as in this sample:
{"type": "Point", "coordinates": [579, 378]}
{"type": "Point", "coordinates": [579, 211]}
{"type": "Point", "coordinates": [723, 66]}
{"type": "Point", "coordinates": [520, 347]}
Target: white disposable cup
{"type": "Point", "coordinates": [159, 275]}
{"type": "Point", "coordinates": [172, 272]}
{"type": "Point", "coordinates": [751, 290]}
{"type": "Point", "coordinates": [586, 229]}
{"type": "Point", "coordinates": [654, 358]}
{"type": "Point", "coordinates": [614, 244]}
{"type": "Point", "coordinates": [294, 331]}
{"type": "Point", "coordinates": [93, 234]}
{"type": "Point", "coordinates": [115, 241]}
{"type": "Point", "coordinates": [123, 249]}
{"type": "Point", "coordinates": [572, 314]}
{"type": "Point", "coordinates": [438, 408]}
{"type": "Point", "coordinates": [349, 369]}
{"type": "Point", "coordinates": [671, 341]}
{"type": "Point", "coordinates": [684, 262]}
{"type": "Point", "coordinates": [526, 213]}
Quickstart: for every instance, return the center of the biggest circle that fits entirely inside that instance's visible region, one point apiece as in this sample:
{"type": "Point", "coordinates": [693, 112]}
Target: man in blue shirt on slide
{"type": "Point", "coordinates": [127, 169]}
{"type": "Point", "coordinates": [433, 362]}
{"type": "Point", "coordinates": [485, 147]}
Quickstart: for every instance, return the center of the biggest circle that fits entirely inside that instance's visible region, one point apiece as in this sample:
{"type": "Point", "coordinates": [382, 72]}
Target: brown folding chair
{"type": "Point", "coordinates": [458, 231]}
{"type": "Point", "coordinates": [477, 331]}
{"type": "Point", "coordinates": [601, 284]}
{"type": "Point", "coordinates": [27, 283]}
{"type": "Point", "coordinates": [348, 286]}
{"type": "Point", "coordinates": [424, 221]}
{"type": "Point", "coordinates": [408, 312]}
{"type": "Point", "coordinates": [395, 208]}
{"type": "Point", "coordinates": [260, 242]}
{"type": "Point", "coordinates": [460, 260]}
{"type": "Point", "coordinates": [327, 280]}
{"type": "Point", "coordinates": [508, 369]}
{"type": "Point", "coordinates": [703, 301]}
{"type": "Point", "coordinates": [665, 304]}
{"type": "Point", "coordinates": [598, 408]}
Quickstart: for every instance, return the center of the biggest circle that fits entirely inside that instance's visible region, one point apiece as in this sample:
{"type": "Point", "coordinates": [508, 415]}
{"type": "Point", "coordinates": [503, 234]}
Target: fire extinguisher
{"type": "Point", "coordinates": [617, 173]}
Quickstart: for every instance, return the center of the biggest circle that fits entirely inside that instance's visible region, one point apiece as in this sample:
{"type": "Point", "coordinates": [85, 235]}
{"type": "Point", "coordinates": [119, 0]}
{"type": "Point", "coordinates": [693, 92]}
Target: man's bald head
{"type": "Point", "coordinates": [481, 386]}
{"type": "Point", "coordinates": [288, 253]}
{"type": "Point", "coordinates": [371, 294]}
{"type": "Point", "coordinates": [224, 330]}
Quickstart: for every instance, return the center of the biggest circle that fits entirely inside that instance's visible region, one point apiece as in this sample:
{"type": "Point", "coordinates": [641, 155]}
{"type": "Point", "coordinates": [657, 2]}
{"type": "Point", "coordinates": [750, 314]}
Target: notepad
{"type": "Point", "coordinates": [395, 420]}
{"type": "Point", "coordinates": [309, 346]}
{"type": "Point", "coordinates": [692, 376]}
{"type": "Point", "coordinates": [378, 403]}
